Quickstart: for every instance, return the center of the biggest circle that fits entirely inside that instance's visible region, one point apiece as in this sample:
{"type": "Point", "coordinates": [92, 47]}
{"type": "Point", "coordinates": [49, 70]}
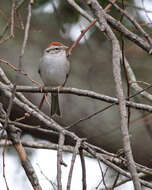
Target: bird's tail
{"type": "Point", "coordinates": [55, 108]}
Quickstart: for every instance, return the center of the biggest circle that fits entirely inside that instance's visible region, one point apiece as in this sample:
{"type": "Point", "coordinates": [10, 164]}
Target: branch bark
{"type": "Point", "coordinates": [85, 93]}
{"type": "Point", "coordinates": [116, 57]}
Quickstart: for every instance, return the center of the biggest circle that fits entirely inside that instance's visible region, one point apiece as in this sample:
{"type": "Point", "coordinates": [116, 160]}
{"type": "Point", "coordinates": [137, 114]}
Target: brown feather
{"type": "Point", "coordinates": [55, 44]}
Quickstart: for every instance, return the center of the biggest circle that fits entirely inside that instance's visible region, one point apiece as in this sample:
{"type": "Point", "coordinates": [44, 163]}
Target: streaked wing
{"type": "Point", "coordinates": [68, 72]}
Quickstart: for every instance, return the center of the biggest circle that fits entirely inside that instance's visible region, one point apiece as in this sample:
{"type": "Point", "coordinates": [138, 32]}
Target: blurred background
{"type": "Point", "coordinates": [91, 68]}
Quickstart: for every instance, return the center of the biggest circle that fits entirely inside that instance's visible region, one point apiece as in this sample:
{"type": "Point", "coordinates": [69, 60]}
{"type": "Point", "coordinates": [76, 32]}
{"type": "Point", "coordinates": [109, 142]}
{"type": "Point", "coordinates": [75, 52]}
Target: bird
{"type": "Point", "coordinates": [54, 69]}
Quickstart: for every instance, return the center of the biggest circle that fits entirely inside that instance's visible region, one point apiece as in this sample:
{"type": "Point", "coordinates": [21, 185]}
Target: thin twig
{"type": "Point", "coordinates": [21, 71]}
{"type": "Point", "coordinates": [123, 181]}
{"type": "Point", "coordinates": [59, 160]}
{"type": "Point", "coordinates": [11, 35]}
{"type": "Point", "coordinates": [3, 15]}
{"type": "Point", "coordinates": [3, 154]}
{"type": "Point", "coordinates": [50, 181]}
{"type": "Point", "coordinates": [75, 151]}
{"type": "Point", "coordinates": [52, 124]}
{"type": "Point", "coordinates": [83, 165]}
{"type": "Point", "coordinates": [133, 6]}
{"type": "Point", "coordinates": [86, 29]}
{"type": "Point", "coordinates": [25, 163]}
{"type": "Point", "coordinates": [89, 116]}
{"type": "Point", "coordinates": [80, 37]}
{"type": "Point", "coordinates": [116, 25]}
{"type": "Point", "coordinates": [115, 181]}
{"type": "Point", "coordinates": [20, 3]}
{"type": "Point", "coordinates": [20, 62]}
{"type": "Point", "coordinates": [108, 156]}
{"type": "Point", "coordinates": [20, 20]}
{"type": "Point", "coordinates": [103, 176]}
{"type": "Point", "coordinates": [133, 21]}
{"type": "Point", "coordinates": [110, 164]}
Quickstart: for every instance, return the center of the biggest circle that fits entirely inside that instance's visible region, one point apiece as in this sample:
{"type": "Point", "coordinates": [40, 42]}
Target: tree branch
{"type": "Point", "coordinates": [81, 92]}
{"type": "Point", "coordinates": [116, 57]}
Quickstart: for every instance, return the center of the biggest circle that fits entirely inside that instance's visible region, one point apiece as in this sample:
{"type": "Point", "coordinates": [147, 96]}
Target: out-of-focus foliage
{"type": "Point", "coordinates": [39, 3]}
{"type": "Point", "coordinates": [67, 13]}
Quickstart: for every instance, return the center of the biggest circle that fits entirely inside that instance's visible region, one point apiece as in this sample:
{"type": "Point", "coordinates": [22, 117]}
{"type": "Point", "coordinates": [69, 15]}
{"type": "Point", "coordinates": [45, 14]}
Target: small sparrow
{"type": "Point", "coordinates": [54, 70]}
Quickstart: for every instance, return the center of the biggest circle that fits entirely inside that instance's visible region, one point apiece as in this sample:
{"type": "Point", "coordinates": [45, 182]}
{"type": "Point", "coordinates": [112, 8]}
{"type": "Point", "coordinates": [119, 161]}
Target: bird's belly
{"type": "Point", "coordinates": [53, 76]}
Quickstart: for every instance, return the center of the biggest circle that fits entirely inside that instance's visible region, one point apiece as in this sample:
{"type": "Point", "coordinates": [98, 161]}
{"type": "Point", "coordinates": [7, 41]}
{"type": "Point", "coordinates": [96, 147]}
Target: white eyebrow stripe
{"type": "Point", "coordinates": [53, 47]}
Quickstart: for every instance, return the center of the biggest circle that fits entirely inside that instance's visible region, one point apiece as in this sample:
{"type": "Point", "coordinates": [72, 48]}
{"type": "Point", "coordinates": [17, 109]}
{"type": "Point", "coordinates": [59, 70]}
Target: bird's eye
{"type": "Point", "coordinates": [56, 48]}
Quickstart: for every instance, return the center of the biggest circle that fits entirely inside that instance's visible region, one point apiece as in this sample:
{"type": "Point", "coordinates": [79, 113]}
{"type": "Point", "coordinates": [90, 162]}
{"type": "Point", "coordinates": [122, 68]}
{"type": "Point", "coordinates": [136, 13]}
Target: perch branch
{"type": "Point", "coordinates": [85, 93]}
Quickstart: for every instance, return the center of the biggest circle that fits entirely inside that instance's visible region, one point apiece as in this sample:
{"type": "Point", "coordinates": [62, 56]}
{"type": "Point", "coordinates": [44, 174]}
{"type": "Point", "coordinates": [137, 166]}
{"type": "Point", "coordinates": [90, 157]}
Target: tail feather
{"type": "Point", "coordinates": [55, 109]}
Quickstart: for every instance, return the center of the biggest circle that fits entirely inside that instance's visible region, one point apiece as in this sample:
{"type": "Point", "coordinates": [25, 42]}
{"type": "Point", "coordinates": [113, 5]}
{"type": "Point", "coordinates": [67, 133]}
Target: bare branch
{"type": "Point", "coordinates": [53, 184]}
{"type": "Point", "coordinates": [75, 151]}
{"type": "Point", "coordinates": [116, 25]}
{"type": "Point", "coordinates": [134, 84]}
{"type": "Point", "coordinates": [22, 72]}
{"type": "Point", "coordinates": [80, 37]}
{"type": "Point", "coordinates": [103, 176]}
{"type": "Point", "coordinates": [110, 164]}
{"type": "Point", "coordinates": [82, 158]}
{"type": "Point", "coordinates": [133, 21]}
{"type": "Point", "coordinates": [13, 92]}
{"type": "Point", "coordinates": [116, 57]}
{"type": "Point", "coordinates": [86, 93]}
{"type": "Point", "coordinates": [86, 29]}
{"type": "Point", "coordinates": [20, 62]}
{"type": "Point", "coordinates": [60, 160]}
{"type": "Point", "coordinates": [14, 135]}
{"type": "Point", "coordinates": [11, 35]}
{"type": "Point", "coordinates": [3, 154]}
